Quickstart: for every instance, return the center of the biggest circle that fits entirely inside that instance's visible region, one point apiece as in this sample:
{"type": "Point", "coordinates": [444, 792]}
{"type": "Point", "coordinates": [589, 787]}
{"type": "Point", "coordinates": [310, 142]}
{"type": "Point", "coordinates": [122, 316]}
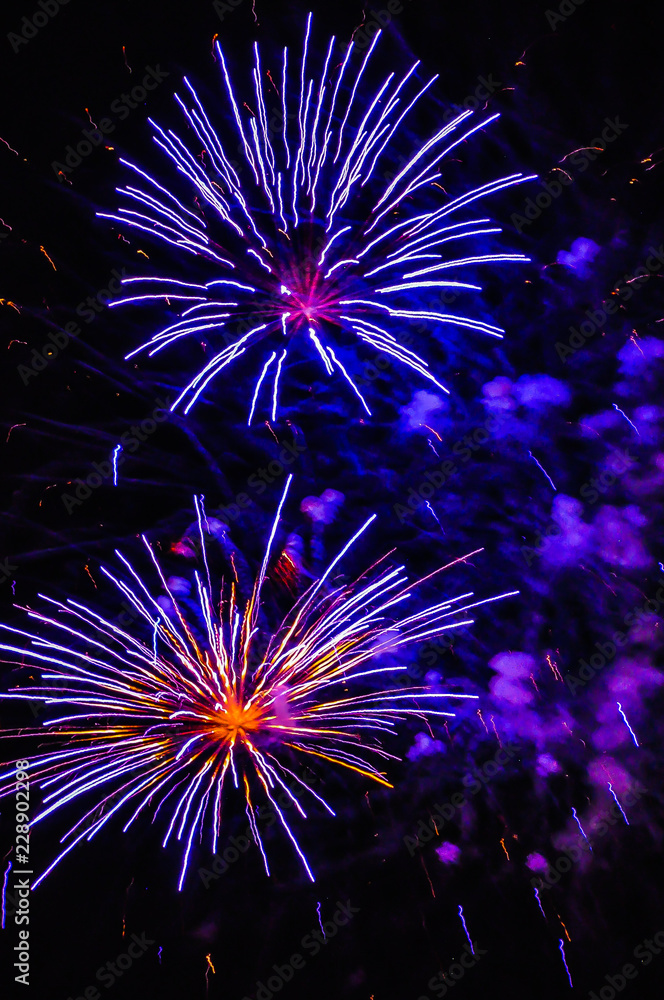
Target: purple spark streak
{"type": "Point", "coordinates": [320, 920]}
{"type": "Point", "coordinates": [631, 731]}
{"type": "Point", "coordinates": [618, 803]}
{"type": "Point", "coordinates": [116, 452]}
{"type": "Point", "coordinates": [435, 515]}
{"type": "Point", "coordinates": [463, 921]}
{"type": "Point", "coordinates": [623, 414]}
{"type": "Point", "coordinates": [4, 893]}
{"type": "Point", "coordinates": [539, 464]}
{"type": "Point", "coordinates": [578, 823]}
{"type": "Point", "coordinates": [562, 952]}
{"type": "Point", "coordinates": [539, 901]}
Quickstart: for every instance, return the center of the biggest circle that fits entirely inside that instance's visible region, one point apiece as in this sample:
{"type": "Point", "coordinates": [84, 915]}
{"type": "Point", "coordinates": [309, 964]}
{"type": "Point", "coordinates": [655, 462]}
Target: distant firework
{"type": "Point", "coordinates": [318, 244]}
{"type": "Point", "coordinates": [161, 727]}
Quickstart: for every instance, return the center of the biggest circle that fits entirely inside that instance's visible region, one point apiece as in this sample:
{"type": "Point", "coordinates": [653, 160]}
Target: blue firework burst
{"type": "Point", "coordinates": [314, 247]}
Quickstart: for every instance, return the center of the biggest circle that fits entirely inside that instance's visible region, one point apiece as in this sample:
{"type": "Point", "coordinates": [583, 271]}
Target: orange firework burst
{"type": "Point", "coordinates": [163, 725]}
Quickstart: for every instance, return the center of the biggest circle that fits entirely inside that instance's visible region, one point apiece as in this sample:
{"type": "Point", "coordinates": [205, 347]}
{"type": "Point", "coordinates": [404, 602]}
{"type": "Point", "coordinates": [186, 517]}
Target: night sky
{"type": "Point", "coordinates": [547, 455]}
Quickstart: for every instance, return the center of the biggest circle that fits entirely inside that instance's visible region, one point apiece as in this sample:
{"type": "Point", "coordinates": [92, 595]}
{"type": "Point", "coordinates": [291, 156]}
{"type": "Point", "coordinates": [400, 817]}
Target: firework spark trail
{"type": "Point", "coordinates": [116, 453]}
{"type": "Point", "coordinates": [163, 723]}
{"type": "Point", "coordinates": [561, 946]}
{"type": "Point", "coordinates": [631, 731]}
{"type": "Point", "coordinates": [3, 898]}
{"type": "Point", "coordinates": [539, 901]}
{"type": "Point", "coordinates": [296, 231]}
{"type": "Point", "coordinates": [615, 798]}
{"type": "Point", "coordinates": [463, 921]}
{"type": "Point", "coordinates": [581, 830]}
{"type": "Point", "coordinates": [541, 467]}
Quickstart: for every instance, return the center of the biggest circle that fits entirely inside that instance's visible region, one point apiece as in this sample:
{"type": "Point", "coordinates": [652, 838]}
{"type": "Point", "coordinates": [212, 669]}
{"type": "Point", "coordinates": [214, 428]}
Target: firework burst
{"type": "Point", "coordinates": [315, 247]}
{"type": "Point", "coordinates": [216, 697]}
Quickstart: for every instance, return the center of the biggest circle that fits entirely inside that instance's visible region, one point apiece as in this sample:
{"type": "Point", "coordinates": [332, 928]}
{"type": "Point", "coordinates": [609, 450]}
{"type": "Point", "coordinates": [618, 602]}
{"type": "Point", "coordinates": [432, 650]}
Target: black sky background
{"type": "Point", "coordinates": [557, 89]}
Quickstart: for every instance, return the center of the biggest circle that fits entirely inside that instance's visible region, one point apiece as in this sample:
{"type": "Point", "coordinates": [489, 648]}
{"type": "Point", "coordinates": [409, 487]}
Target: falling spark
{"type": "Point", "coordinates": [563, 927]}
{"type": "Point", "coordinates": [539, 901]}
{"type": "Point", "coordinates": [426, 872]}
{"type": "Point", "coordinates": [581, 149]}
{"type": "Point", "coordinates": [582, 831]}
{"type": "Point", "coordinates": [4, 893]}
{"type": "Point", "coordinates": [210, 968]}
{"type": "Point", "coordinates": [502, 841]}
{"type": "Point", "coordinates": [48, 258]}
{"type": "Point", "coordinates": [124, 56]}
{"type": "Point", "coordinates": [436, 516]}
{"type": "Point", "coordinates": [540, 466]}
{"type": "Point", "coordinates": [463, 921]}
{"type": "Point", "coordinates": [479, 712]}
{"type": "Point", "coordinates": [618, 803]}
{"type": "Point", "coordinates": [623, 414]}
{"type": "Point", "coordinates": [562, 952]}
{"type": "Point", "coordinates": [320, 921]}
{"type": "Point", "coordinates": [161, 948]}
{"type": "Point", "coordinates": [554, 668]}
{"type": "Point", "coordinates": [493, 724]}
{"type": "Point", "coordinates": [116, 452]}
{"type": "Point", "coordinates": [12, 428]}
{"type": "Point", "coordinates": [435, 433]}
{"type": "Point", "coordinates": [8, 146]}
{"type": "Point", "coordinates": [631, 731]}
